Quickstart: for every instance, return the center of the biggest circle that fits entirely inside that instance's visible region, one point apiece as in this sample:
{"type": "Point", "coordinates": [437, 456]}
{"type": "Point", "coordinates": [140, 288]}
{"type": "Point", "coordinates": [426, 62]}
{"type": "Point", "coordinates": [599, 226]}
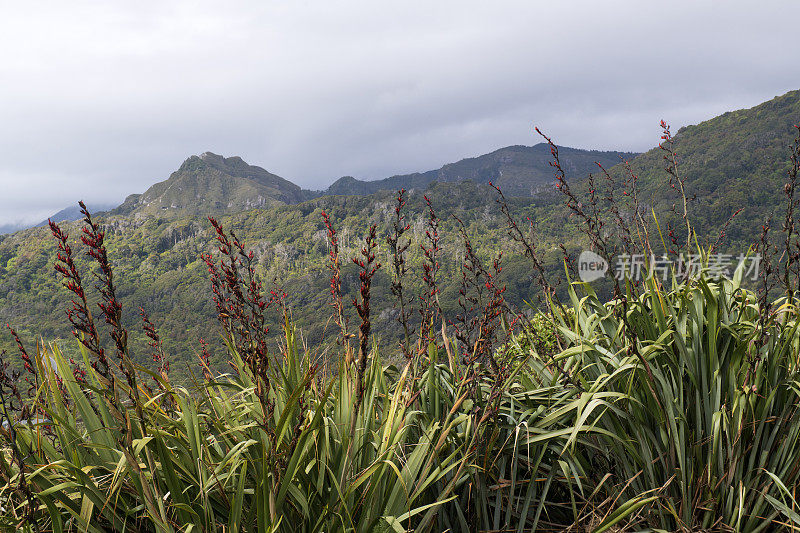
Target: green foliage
{"type": "Point", "coordinates": [430, 451]}
{"type": "Point", "coordinates": [539, 335]}
{"type": "Point", "coordinates": [699, 388]}
{"type": "Point", "coordinates": [736, 160]}
{"type": "Point", "coordinates": [158, 267]}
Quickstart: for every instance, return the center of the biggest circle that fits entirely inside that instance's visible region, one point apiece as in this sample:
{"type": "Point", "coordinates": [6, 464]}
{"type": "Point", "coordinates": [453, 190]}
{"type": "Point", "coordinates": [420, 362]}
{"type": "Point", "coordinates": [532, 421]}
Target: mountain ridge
{"type": "Point", "coordinates": [211, 184]}
{"type": "Point", "coordinates": [73, 212]}
{"type": "Point", "coordinates": [519, 170]}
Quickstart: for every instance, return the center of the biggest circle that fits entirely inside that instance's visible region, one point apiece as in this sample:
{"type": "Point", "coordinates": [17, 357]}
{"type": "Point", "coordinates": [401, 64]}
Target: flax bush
{"type": "Point", "coordinates": [703, 430]}
{"type": "Point", "coordinates": [428, 453]}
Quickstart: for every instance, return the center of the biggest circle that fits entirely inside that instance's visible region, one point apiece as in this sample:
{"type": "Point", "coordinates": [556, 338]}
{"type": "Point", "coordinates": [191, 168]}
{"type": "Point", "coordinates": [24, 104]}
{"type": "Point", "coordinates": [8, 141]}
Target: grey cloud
{"type": "Point", "coordinates": [101, 100]}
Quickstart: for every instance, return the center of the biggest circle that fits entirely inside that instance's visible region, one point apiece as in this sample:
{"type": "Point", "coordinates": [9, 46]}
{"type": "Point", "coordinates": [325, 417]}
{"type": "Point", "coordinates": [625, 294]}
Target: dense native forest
{"type": "Point", "coordinates": [241, 354]}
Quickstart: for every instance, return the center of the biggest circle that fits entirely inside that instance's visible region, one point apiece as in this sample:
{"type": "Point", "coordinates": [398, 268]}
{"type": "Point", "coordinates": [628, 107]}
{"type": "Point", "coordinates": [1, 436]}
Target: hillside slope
{"type": "Point", "coordinates": [158, 266]}
{"type": "Point", "coordinates": [737, 160]}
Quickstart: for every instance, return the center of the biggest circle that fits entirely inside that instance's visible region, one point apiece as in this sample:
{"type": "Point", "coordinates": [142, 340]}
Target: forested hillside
{"type": "Point", "coordinates": [737, 160]}
{"type": "Point", "coordinates": [158, 266]}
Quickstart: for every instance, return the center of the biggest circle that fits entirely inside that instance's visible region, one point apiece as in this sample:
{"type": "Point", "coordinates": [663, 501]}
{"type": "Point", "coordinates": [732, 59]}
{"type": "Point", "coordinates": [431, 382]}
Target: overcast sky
{"type": "Point", "coordinates": [100, 100]}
